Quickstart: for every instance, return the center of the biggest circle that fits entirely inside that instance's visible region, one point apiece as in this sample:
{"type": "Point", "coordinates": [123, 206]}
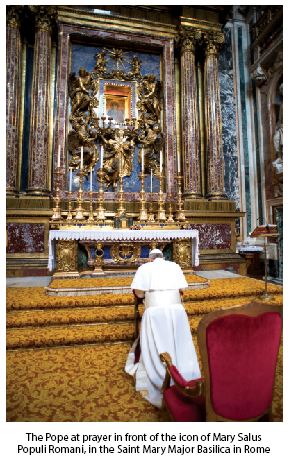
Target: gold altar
{"type": "Point", "coordinates": [118, 249]}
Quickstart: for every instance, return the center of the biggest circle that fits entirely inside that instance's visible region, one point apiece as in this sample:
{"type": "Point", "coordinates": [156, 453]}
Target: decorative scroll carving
{"type": "Point", "coordinates": [118, 131]}
{"type": "Point", "coordinates": [13, 16]}
{"type": "Point", "coordinates": [259, 75]}
{"type": "Point", "coordinates": [125, 253]}
{"type": "Point", "coordinates": [44, 16]}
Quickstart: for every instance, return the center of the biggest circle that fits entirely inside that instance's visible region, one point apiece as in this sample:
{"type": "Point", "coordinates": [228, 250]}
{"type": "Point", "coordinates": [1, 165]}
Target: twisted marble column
{"type": "Point", "coordinates": [38, 180]}
{"type": "Point", "coordinates": [13, 96]}
{"type": "Point", "coordinates": [214, 149]}
{"type": "Point", "coordinates": [189, 117]}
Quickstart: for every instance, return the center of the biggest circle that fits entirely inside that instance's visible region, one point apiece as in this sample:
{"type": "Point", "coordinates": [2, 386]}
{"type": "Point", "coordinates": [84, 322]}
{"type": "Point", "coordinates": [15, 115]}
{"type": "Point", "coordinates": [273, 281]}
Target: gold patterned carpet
{"type": "Point", "coordinates": [60, 369]}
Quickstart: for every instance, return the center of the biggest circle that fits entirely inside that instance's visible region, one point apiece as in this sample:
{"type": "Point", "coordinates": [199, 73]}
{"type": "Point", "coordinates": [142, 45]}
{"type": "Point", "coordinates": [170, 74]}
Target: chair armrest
{"type": "Point", "coordinates": [190, 388]}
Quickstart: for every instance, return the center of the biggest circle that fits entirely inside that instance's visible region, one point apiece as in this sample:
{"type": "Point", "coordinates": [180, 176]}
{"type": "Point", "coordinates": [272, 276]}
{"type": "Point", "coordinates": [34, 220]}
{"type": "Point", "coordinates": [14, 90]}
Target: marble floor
{"type": "Point", "coordinates": [43, 281]}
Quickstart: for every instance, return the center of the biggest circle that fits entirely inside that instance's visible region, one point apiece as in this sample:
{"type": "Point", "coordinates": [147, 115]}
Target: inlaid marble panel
{"type": "Point", "coordinates": [228, 110]}
{"type": "Point", "coordinates": [213, 236]}
{"type": "Point", "coordinates": [25, 238]}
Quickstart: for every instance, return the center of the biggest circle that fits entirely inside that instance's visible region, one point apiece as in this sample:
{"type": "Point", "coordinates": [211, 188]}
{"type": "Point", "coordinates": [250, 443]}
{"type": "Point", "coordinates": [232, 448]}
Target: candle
{"type": "Point", "coordinates": [161, 161]}
{"type": "Point", "coordinates": [82, 157]}
{"type": "Point", "coordinates": [178, 162]}
{"type": "Point", "coordinates": [58, 156]}
{"type": "Point", "coordinates": [142, 158]}
{"type": "Point", "coordinates": [70, 179]}
{"type": "Point", "coordinates": [151, 182]}
{"type": "Point", "coordinates": [91, 179]}
{"type": "Point", "coordinates": [102, 156]}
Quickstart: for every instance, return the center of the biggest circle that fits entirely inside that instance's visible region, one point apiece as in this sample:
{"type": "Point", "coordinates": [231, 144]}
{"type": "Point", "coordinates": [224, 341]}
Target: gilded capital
{"type": "Point", "coordinates": [187, 39]}
{"type": "Point", "coordinates": [214, 42]}
{"type": "Point", "coordinates": [13, 16]}
{"type": "Point", "coordinates": [44, 16]}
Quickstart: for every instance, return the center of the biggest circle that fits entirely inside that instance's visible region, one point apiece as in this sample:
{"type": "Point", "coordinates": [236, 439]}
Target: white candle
{"type": "Point", "coordinates": [102, 156]}
{"type": "Point", "coordinates": [178, 162]}
{"type": "Point", "coordinates": [142, 158]}
{"type": "Point", "coordinates": [151, 182]}
{"type": "Point", "coordinates": [70, 179]}
{"type": "Point", "coordinates": [161, 161]}
{"type": "Point", "coordinates": [58, 156]}
{"type": "Point", "coordinates": [91, 179]}
{"type": "Point", "coordinates": [82, 157]}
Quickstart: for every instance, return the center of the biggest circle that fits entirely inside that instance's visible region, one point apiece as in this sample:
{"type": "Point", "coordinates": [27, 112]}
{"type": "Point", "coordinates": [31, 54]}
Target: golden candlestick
{"type": "Point", "coordinates": [56, 210]}
{"type": "Point", "coordinates": [101, 209]}
{"type": "Point", "coordinates": [150, 213]}
{"type": "Point", "coordinates": [80, 210]}
{"type": "Point", "coordinates": [121, 211]}
{"type": "Point", "coordinates": [170, 218]}
{"type": "Point", "coordinates": [91, 214]}
{"type": "Point", "coordinates": [69, 213]}
{"type": "Point", "coordinates": [161, 216]}
{"type": "Point", "coordinates": [180, 205]}
{"type": "Point", "coordinates": [143, 211]}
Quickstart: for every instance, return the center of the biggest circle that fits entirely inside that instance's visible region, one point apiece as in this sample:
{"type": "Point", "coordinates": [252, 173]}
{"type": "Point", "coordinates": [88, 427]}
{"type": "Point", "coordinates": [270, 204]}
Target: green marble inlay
{"type": "Point", "coordinates": [242, 58]}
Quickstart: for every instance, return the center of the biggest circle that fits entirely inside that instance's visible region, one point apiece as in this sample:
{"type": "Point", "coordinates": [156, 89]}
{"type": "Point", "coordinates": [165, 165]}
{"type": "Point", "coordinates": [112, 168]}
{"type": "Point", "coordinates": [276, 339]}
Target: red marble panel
{"type": "Point", "coordinates": [213, 236]}
{"type": "Point", "coordinates": [25, 238]}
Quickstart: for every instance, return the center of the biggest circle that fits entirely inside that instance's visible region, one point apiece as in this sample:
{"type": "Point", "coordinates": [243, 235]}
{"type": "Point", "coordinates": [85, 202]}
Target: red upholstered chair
{"type": "Point", "coordinates": [239, 349]}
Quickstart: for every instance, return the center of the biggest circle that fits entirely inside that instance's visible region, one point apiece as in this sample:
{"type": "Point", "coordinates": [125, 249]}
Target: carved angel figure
{"type": "Point", "coordinates": [152, 142]}
{"type": "Point", "coordinates": [136, 65]}
{"type": "Point", "coordinates": [150, 96]}
{"type": "Point", "coordinates": [100, 66]}
{"type": "Point", "coordinates": [79, 90]}
{"type": "Point", "coordinates": [118, 156]}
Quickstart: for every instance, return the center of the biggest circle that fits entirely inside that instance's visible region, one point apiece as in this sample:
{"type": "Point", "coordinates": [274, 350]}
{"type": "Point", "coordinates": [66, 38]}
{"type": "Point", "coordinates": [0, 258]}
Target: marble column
{"type": "Point", "coordinates": [40, 100]}
{"type": "Point", "coordinates": [214, 147]}
{"type": "Point", "coordinates": [13, 96]}
{"type": "Point", "coordinates": [189, 117]}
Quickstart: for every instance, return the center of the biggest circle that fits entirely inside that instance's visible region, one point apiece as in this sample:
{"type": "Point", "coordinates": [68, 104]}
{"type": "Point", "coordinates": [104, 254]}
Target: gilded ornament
{"type": "Point", "coordinates": [117, 133]}
{"type": "Point", "coordinates": [125, 253]}
{"type": "Point", "coordinates": [66, 256]}
{"type": "Point", "coordinates": [182, 253]}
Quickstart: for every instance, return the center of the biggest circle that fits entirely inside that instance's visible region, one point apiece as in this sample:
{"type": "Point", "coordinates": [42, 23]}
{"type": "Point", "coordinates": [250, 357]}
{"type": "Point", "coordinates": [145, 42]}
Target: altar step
{"type": "Point", "coordinates": [55, 321]}
{"type": "Point", "coordinates": [76, 334]}
{"type": "Point", "coordinates": [75, 326]}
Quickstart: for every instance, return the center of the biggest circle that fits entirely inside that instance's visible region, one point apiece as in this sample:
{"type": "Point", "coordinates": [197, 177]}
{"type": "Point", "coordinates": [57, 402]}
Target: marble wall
{"type": "Point", "coordinates": [213, 236]}
{"type": "Point", "coordinates": [228, 108]}
{"type": "Point", "coordinates": [25, 238]}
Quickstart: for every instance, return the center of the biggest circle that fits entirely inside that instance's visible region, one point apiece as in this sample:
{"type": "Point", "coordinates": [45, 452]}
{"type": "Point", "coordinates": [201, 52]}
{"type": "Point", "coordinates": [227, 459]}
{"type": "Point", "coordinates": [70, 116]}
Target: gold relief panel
{"type": "Point", "coordinates": [182, 253]}
{"type": "Point", "coordinates": [66, 256]}
{"type": "Point", "coordinates": [125, 253]}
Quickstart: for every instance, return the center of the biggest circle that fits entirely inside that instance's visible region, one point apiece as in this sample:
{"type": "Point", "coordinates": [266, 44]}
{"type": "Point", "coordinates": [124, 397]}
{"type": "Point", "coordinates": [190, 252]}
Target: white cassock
{"type": "Point", "coordinates": [164, 328]}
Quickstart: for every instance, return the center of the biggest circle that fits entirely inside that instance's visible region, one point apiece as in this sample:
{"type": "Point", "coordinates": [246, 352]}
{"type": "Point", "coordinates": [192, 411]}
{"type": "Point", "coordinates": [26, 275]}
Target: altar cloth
{"type": "Point", "coordinates": [123, 235]}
